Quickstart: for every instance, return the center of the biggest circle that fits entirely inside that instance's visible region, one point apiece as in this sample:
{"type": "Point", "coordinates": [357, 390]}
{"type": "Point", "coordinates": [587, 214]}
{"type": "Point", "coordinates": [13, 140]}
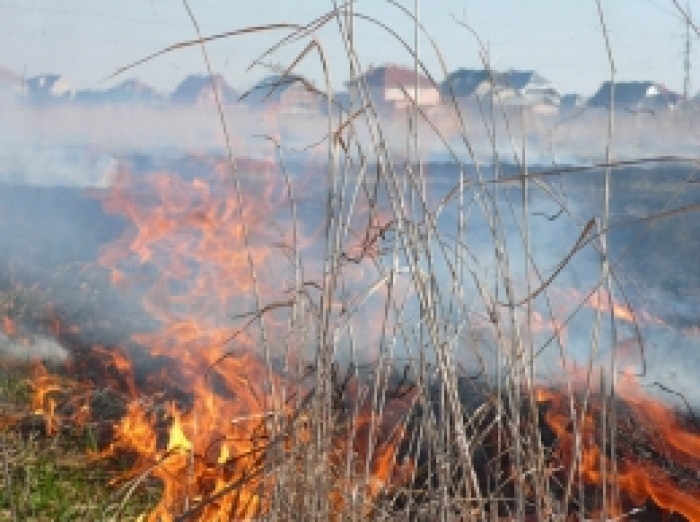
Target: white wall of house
{"type": "Point", "coordinates": [425, 96]}
{"type": "Point", "coordinates": [545, 109]}
{"type": "Point", "coordinates": [506, 94]}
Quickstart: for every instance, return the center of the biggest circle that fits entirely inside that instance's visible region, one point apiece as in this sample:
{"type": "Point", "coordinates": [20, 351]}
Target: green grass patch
{"type": "Point", "coordinates": [52, 478]}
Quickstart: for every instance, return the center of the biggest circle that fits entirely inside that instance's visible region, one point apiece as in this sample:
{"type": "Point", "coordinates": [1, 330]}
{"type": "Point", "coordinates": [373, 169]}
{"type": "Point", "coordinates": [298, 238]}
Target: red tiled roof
{"type": "Point", "coordinates": [395, 76]}
{"type": "Point", "coordinates": [7, 77]}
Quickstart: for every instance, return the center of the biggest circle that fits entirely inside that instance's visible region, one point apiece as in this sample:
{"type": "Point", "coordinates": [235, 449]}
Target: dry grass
{"type": "Point", "coordinates": [473, 433]}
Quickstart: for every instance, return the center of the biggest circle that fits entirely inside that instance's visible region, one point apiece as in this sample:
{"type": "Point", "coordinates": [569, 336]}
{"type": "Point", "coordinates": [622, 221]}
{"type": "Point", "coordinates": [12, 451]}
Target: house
{"type": "Point", "coordinates": [202, 90]}
{"type": "Point", "coordinates": [48, 88]}
{"type": "Point", "coordinates": [9, 81]}
{"type": "Point", "coordinates": [635, 96]}
{"type": "Point", "coordinates": [128, 92]}
{"type": "Point", "coordinates": [512, 87]}
{"type": "Point", "coordinates": [288, 94]}
{"type": "Point", "coordinates": [10, 85]}
{"type": "Point", "coordinates": [528, 88]}
{"type": "Point", "coordinates": [342, 101]}
{"type": "Point", "coordinates": [572, 101]}
{"type": "Point", "coordinates": [466, 83]}
{"type": "Point", "coordinates": [395, 87]}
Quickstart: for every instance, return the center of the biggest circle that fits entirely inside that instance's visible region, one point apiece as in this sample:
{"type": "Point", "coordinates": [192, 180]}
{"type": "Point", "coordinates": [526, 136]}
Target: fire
{"type": "Point", "coordinates": [637, 477]}
{"type": "Point", "coordinates": [220, 430]}
{"type": "Point", "coordinates": [600, 300]}
{"type": "Point", "coordinates": [193, 235]}
{"type": "Point", "coordinates": [9, 326]}
{"type": "Point", "coordinates": [44, 385]}
{"type": "Point", "coordinates": [210, 420]}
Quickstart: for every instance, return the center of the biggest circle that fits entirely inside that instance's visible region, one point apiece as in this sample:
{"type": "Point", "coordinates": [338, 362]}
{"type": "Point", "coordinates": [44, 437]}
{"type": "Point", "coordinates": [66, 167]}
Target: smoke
{"type": "Point", "coordinates": [38, 347]}
{"type": "Point", "coordinates": [79, 146]}
{"type": "Point", "coordinates": [75, 145]}
{"type": "Point", "coordinates": [53, 228]}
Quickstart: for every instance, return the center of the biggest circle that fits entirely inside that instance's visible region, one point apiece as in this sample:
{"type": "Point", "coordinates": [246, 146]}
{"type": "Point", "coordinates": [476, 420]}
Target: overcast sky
{"type": "Point", "coordinates": [87, 40]}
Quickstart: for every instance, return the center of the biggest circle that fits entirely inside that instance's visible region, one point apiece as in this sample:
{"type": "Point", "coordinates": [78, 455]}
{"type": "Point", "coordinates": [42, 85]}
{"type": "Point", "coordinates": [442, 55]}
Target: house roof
{"type": "Point", "coordinates": [133, 86]}
{"type": "Point", "coordinates": [521, 79]}
{"type": "Point", "coordinates": [48, 88]}
{"type": "Point", "coordinates": [128, 91]}
{"type": "Point", "coordinates": [43, 81]}
{"type": "Point", "coordinates": [572, 100]}
{"type": "Point", "coordinates": [270, 88]}
{"type": "Point", "coordinates": [193, 86]}
{"type": "Point", "coordinates": [8, 77]}
{"type": "Point", "coordinates": [628, 94]}
{"type": "Point", "coordinates": [465, 82]}
{"type": "Point", "coordinates": [392, 76]}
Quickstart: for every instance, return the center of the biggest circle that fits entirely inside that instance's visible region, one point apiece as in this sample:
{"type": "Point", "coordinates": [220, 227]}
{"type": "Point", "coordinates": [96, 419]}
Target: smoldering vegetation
{"type": "Point", "coordinates": [437, 327]}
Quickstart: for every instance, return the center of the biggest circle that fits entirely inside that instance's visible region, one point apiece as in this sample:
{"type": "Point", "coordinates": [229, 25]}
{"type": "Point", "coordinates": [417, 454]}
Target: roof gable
{"type": "Point", "coordinates": [43, 81]}
{"type": "Point", "coordinates": [271, 88]}
{"type": "Point", "coordinates": [7, 77]}
{"type": "Point", "coordinates": [522, 79]}
{"type": "Point", "coordinates": [630, 94]}
{"type": "Point", "coordinates": [194, 87]}
{"type": "Point", "coordinates": [129, 91]}
{"type": "Point", "coordinates": [467, 82]}
{"type": "Point", "coordinates": [464, 82]}
{"type": "Point", "coordinates": [394, 76]}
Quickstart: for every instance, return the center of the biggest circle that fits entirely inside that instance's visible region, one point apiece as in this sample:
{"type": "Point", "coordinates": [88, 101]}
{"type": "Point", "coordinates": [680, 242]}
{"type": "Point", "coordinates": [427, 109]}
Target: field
{"type": "Point", "coordinates": [366, 315]}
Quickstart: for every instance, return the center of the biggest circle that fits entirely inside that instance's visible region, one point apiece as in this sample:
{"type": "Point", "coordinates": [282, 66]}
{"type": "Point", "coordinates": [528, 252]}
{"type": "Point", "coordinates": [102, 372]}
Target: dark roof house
{"type": "Point", "coordinates": [342, 101]}
{"type": "Point", "coordinates": [291, 93]}
{"type": "Point", "coordinates": [48, 88]}
{"type": "Point", "coordinates": [526, 88]}
{"type": "Point", "coordinates": [572, 101]}
{"type": "Point", "coordinates": [128, 92]}
{"type": "Point", "coordinates": [199, 90]}
{"type": "Point", "coordinates": [464, 83]}
{"type": "Point", "coordinates": [523, 80]}
{"type": "Point", "coordinates": [511, 87]}
{"type": "Point", "coordinates": [635, 95]}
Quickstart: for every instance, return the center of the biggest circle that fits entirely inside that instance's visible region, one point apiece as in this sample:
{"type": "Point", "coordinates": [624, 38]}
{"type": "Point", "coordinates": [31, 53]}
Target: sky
{"type": "Point", "coordinates": [88, 40]}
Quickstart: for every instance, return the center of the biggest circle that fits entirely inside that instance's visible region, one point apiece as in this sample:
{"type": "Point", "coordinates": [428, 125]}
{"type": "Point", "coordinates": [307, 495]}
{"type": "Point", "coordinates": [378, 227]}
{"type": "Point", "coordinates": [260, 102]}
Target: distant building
{"type": "Point", "coordinates": [466, 83]}
{"type": "Point", "coordinates": [520, 88]}
{"type": "Point", "coordinates": [572, 101]}
{"type": "Point", "coordinates": [130, 92]}
{"type": "Point", "coordinates": [395, 87]}
{"type": "Point", "coordinates": [48, 88]}
{"type": "Point", "coordinates": [341, 101]}
{"type": "Point", "coordinates": [8, 79]}
{"type": "Point", "coordinates": [529, 88]}
{"type": "Point", "coordinates": [635, 96]}
{"type": "Point", "coordinates": [202, 90]}
{"type": "Point", "coordinates": [10, 83]}
{"type": "Point", "coordinates": [288, 94]}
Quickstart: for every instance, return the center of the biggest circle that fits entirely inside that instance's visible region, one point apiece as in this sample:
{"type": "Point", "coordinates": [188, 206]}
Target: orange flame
{"type": "Point", "coordinates": [44, 385]}
{"type": "Point", "coordinates": [637, 479]}
{"type": "Point", "coordinates": [600, 300]}
{"type": "Point", "coordinates": [196, 252]}
{"type": "Point", "coordinates": [9, 326]}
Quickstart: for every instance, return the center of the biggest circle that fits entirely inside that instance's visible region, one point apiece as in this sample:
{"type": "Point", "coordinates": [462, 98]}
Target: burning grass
{"type": "Point", "coordinates": [650, 464]}
{"type": "Point", "coordinates": [50, 475]}
{"type": "Point", "coordinates": [355, 341]}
